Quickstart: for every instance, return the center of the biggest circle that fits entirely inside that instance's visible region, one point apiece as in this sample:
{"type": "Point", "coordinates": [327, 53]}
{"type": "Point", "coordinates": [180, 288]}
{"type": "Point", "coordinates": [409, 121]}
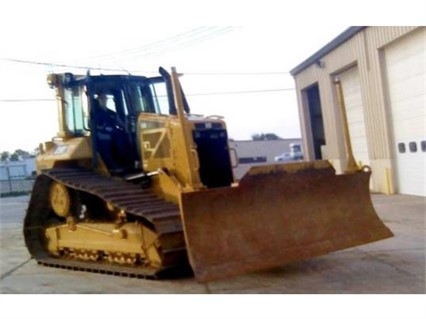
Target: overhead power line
{"type": "Point", "coordinates": [237, 73]}
{"type": "Point", "coordinates": [62, 65]}
{"type": "Point", "coordinates": [188, 94]}
{"type": "Point", "coordinates": [86, 67]}
{"type": "Point", "coordinates": [177, 42]}
{"type": "Point", "coordinates": [241, 92]}
{"type": "Point", "coordinates": [26, 100]}
{"type": "Point", "coordinates": [159, 47]}
{"type": "Point", "coordinates": [155, 48]}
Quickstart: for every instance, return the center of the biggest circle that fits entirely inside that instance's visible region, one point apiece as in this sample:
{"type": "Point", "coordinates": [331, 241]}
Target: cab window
{"type": "Point", "coordinates": [159, 94]}
{"type": "Point", "coordinates": [76, 115]}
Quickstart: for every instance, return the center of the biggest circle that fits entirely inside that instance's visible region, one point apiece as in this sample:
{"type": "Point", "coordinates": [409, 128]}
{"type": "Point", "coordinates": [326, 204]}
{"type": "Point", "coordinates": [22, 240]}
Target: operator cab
{"type": "Point", "coordinates": [107, 107]}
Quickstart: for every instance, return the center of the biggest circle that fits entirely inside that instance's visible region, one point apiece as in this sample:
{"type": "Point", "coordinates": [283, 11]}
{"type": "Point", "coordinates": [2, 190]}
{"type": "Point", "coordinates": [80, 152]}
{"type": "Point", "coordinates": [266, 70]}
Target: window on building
{"type": "Point", "coordinates": [401, 148]}
{"type": "Point", "coordinates": [413, 147]}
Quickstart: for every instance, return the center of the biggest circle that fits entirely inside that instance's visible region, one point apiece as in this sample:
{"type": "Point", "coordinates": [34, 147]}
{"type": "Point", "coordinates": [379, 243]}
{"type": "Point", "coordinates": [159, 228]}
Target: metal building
{"type": "Point", "coordinates": [383, 75]}
{"type": "Point", "coordinates": [252, 153]}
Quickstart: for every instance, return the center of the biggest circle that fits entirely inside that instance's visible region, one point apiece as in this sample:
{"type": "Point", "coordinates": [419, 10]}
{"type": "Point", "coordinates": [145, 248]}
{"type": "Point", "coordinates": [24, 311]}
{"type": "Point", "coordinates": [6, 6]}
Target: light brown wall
{"type": "Point", "coordinates": [364, 50]}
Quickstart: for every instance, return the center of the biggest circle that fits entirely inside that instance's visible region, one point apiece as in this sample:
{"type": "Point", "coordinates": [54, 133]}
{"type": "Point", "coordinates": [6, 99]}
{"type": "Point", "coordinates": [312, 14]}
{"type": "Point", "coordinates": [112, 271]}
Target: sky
{"type": "Point", "coordinates": [239, 71]}
{"type": "Point", "coordinates": [235, 61]}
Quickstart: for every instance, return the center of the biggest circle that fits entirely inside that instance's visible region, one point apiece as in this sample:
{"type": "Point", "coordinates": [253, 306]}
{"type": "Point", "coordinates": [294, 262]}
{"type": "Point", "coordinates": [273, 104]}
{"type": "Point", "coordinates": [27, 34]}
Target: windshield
{"type": "Point", "coordinates": [296, 148]}
{"type": "Point", "coordinates": [141, 98]}
{"type": "Point", "coordinates": [149, 97]}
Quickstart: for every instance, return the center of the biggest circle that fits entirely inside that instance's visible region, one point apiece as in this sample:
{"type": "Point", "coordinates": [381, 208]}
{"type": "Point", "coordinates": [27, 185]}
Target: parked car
{"type": "Point", "coordinates": [295, 154]}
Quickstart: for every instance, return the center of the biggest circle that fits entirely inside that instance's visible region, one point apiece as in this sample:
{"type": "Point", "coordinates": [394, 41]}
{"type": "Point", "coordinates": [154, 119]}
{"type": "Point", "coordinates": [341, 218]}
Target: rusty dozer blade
{"type": "Point", "coordinates": [278, 214]}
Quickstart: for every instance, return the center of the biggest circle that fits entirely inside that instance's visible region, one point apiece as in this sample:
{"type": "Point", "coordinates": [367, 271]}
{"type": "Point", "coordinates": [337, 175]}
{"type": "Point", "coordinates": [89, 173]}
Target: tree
{"type": "Point", "coordinates": [265, 137]}
{"type": "Point", "coordinates": [22, 153]}
{"type": "Point", "coordinates": [18, 155]}
{"type": "Point", "coordinates": [4, 155]}
{"type": "Point", "coordinates": [14, 157]}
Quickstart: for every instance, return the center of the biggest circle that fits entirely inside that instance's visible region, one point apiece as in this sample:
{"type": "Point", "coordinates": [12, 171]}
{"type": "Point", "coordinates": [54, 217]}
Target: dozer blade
{"type": "Point", "coordinates": [278, 214]}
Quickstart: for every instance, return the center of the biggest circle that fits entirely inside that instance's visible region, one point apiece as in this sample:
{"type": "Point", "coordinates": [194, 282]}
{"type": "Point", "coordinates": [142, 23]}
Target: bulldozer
{"type": "Point", "coordinates": [136, 185]}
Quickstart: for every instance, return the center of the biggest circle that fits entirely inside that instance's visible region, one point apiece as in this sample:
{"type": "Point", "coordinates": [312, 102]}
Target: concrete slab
{"type": "Point", "coordinates": [392, 266]}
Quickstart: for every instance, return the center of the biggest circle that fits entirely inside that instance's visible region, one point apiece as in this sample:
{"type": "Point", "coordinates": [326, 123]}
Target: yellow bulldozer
{"type": "Point", "coordinates": [134, 184]}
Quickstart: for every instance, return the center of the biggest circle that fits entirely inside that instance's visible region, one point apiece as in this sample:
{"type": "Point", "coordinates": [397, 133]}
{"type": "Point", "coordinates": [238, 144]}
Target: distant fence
{"type": "Point", "coordinates": [13, 187]}
{"type": "Point", "coordinates": [15, 179]}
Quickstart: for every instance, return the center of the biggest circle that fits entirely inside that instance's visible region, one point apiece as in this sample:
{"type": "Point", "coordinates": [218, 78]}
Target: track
{"type": "Point", "coordinates": [140, 204]}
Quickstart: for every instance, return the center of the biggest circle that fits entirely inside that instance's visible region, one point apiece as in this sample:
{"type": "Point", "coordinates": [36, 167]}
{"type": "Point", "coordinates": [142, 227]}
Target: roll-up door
{"type": "Point", "coordinates": [406, 77]}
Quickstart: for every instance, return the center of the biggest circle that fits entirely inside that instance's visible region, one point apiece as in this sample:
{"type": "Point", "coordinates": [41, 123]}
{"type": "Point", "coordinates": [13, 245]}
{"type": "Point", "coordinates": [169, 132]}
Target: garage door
{"type": "Point", "coordinates": [406, 74]}
{"type": "Point", "coordinates": [355, 113]}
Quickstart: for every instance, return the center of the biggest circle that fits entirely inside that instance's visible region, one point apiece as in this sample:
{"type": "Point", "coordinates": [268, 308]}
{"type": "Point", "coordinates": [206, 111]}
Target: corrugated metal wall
{"type": "Point", "coordinates": [365, 51]}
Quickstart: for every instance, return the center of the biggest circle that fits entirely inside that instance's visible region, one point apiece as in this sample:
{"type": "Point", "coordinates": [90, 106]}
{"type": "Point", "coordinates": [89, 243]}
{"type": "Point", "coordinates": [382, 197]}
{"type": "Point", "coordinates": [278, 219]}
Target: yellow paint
{"type": "Point", "coordinates": [389, 185]}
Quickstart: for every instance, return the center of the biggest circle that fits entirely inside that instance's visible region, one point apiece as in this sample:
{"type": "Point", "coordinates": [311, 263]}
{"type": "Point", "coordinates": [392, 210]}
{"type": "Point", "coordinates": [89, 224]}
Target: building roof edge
{"type": "Point", "coordinates": [344, 36]}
